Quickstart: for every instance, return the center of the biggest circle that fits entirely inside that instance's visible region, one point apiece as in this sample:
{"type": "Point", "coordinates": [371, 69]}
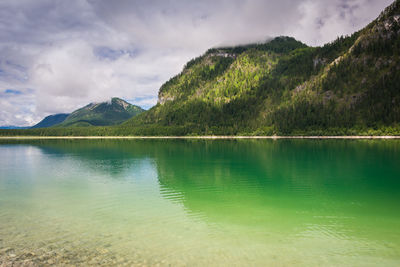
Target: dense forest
{"type": "Point", "coordinates": [350, 86]}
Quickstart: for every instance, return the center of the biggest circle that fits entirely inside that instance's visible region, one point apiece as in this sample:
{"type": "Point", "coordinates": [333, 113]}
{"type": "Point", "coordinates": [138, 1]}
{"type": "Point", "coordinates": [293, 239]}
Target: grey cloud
{"type": "Point", "coordinates": [79, 51]}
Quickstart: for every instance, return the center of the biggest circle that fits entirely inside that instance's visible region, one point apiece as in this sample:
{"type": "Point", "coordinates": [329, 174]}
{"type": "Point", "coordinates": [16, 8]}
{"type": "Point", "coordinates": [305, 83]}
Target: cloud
{"type": "Point", "coordinates": [103, 77]}
{"type": "Point", "coordinates": [70, 53]}
{"type": "Point", "coordinates": [322, 21]}
{"type": "Point", "coordinates": [17, 107]}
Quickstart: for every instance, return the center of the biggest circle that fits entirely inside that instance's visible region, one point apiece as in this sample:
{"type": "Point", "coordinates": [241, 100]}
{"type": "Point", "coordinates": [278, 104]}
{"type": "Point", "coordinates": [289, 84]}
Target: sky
{"type": "Point", "coordinates": [57, 55]}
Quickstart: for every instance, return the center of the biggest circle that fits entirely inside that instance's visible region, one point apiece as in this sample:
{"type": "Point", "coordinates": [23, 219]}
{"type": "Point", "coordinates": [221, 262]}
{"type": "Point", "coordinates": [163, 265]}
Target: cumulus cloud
{"type": "Point", "coordinates": [61, 55]}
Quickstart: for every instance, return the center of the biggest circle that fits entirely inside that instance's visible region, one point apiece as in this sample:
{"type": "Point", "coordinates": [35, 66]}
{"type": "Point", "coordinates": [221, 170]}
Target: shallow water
{"type": "Point", "coordinates": [200, 203]}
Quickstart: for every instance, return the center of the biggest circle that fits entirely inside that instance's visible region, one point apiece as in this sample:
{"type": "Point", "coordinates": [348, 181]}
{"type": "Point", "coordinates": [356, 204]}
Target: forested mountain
{"type": "Point", "coordinates": [51, 120]}
{"type": "Point", "coordinates": [101, 114]}
{"type": "Point", "coordinates": [283, 86]}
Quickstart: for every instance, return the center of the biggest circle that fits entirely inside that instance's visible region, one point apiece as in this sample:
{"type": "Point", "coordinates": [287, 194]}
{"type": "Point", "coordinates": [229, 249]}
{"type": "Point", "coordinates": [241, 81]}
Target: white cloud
{"type": "Point", "coordinates": [17, 109]}
{"type": "Point", "coordinates": [70, 53]}
{"type": "Point", "coordinates": [72, 75]}
{"type": "Point", "coordinates": [323, 21]}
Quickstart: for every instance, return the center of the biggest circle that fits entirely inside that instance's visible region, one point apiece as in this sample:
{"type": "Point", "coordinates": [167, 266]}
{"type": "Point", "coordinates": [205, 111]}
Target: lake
{"type": "Point", "coordinates": [200, 202]}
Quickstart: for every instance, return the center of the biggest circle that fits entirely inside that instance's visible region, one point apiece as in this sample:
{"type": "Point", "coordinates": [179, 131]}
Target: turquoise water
{"type": "Point", "coordinates": [200, 203]}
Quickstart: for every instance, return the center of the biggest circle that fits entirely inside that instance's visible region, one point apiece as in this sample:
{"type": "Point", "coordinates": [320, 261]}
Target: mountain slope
{"type": "Point", "coordinates": [100, 114]}
{"type": "Point", "coordinates": [360, 88]}
{"type": "Point", "coordinates": [51, 120]}
{"type": "Point", "coordinates": [285, 87]}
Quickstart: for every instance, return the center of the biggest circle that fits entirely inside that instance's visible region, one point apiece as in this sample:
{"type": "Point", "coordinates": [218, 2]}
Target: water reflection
{"type": "Point", "coordinates": [289, 187]}
{"type": "Point", "coordinates": [331, 195]}
{"type": "Point", "coordinates": [251, 173]}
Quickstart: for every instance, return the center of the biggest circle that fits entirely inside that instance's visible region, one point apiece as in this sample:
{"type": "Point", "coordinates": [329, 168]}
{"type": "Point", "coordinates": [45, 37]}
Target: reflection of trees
{"type": "Point", "coordinates": [261, 180]}
{"type": "Point", "coordinates": [249, 182]}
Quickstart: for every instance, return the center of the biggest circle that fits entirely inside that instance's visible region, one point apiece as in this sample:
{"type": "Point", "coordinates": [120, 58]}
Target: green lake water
{"type": "Point", "coordinates": [200, 202]}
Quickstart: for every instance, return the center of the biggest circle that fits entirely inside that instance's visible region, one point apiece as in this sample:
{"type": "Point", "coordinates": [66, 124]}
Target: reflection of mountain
{"type": "Point", "coordinates": [287, 165]}
{"type": "Point", "coordinates": [106, 156]}
{"type": "Point", "coordinates": [263, 182]}
{"type": "Point", "coordinates": [285, 183]}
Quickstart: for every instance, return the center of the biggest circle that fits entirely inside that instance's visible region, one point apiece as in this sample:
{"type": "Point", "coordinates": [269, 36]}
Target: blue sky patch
{"type": "Point", "coordinates": [12, 92]}
{"type": "Point", "coordinates": [108, 53]}
{"type": "Point", "coordinates": [145, 102]}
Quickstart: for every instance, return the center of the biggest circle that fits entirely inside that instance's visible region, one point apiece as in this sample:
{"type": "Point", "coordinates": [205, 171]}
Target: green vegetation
{"type": "Point", "coordinates": [282, 87]}
{"type": "Point", "coordinates": [101, 114]}
{"type": "Point", "coordinates": [51, 120]}
{"type": "Point", "coordinates": [349, 86]}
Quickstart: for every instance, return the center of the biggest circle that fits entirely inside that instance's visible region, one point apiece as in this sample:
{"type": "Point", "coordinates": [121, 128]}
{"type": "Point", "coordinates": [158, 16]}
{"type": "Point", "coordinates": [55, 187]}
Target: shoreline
{"type": "Point", "coordinates": [196, 137]}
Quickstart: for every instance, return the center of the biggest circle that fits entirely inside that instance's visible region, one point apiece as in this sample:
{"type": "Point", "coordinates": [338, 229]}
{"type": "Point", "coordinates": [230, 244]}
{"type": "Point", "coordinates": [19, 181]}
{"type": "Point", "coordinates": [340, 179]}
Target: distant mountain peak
{"type": "Point", "coordinates": [120, 102]}
{"type": "Point", "coordinates": [111, 112]}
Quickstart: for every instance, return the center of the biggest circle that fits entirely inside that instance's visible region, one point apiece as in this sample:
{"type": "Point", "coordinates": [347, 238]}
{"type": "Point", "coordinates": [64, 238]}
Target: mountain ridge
{"type": "Point", "coordinates": [286, 87]}
{"type": "Point", "coordinates": [111, 112]}
{"type": "Point", "coordinates": [51, 120]}
{"type": "Point", "coordinates": [106, 113]}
